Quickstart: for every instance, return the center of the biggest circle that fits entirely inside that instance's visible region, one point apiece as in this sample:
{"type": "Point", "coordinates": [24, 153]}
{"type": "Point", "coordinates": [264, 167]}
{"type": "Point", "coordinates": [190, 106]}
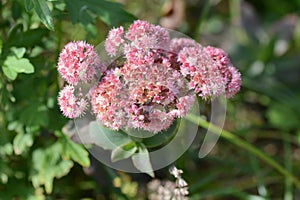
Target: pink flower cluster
{"type": "Point", "coordinates": [78, 62]}
{"type": "Point", "coordinates": [232, 78]}
{"type": "Point", "coordinates": [152, 80]}
{"type": "Point", "coordinates": [70, 105]}
{"type": "Point", "coordinates": [148, 96]}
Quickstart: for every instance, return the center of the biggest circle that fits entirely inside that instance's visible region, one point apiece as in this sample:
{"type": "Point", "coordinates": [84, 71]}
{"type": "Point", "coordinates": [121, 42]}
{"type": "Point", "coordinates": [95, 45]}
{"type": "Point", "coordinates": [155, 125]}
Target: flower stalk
{"type": "Point", "coordinates": [244, 145]}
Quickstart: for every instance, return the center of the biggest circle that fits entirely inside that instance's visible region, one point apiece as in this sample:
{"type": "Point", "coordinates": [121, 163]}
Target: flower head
{"type": "Point", "coordinates": [203, 73]}
{"type": "Point", "coordinates": [114, 40]}
{"type": "Point", "coordinates": [108, 101]}
{"type": "Point", "coordinates": [70, 105]}
{"type": "Point", "coordinates": [229, 73]}
{"type": "Point", "coordinates": [145, 35]}
{"type": "Point", "coordinates": [78, 62]}
{"type": "Point", "coordinates": [178, 44]}
{"type": "Point", "coordinates": [155, 90]}
{"type": "Point", "coordinates": [151, 84]}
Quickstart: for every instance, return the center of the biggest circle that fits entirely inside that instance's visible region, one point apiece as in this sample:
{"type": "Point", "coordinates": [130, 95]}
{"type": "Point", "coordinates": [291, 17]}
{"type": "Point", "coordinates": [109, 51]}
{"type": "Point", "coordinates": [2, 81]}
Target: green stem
{"type": "Point", "coordinates": [202, 17]}
{"type": "Point", "coordinates": [243, 144]}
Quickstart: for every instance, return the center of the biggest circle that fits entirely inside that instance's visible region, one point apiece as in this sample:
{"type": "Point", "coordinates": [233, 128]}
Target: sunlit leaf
{"type": "Point", "coordinates": [141, 161]}
{"type": "Point", "coordinates": [123, 151]}
{"type": "Point", "coordinates": [47, 165]}
{"type": "Point", "coordinates": [42, 10]}
{"type": "Point", "coordinates": [22, 142]}
{"type": "Point", "coordinates": [74, 151]}
{"type": "Point", "coordinates": [11, 74]}
{"type": "Point", "coordinates": [19, 52]}
{"type": "Point", "coordinates": [106, 138]}
{"type": "Point", "coordinates": [22, 65]}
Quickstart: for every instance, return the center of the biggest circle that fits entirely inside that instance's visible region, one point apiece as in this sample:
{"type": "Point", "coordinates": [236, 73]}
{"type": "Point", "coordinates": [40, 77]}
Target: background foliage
{"type": "Point", "coordinates": [38, 158]}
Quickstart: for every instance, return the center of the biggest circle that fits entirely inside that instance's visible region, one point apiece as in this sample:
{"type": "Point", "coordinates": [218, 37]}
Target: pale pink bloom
{"type": "Point", "coordinates": [218, 55]}
{"type": "Point", "coordinates": [78, 62]}
{"type": "Point", "coordinates": [178, 44]}
{"type": "Point", "coordinates": [202, 71]}
{"type": "Point", "coordinates": [230, 73]}
{"type": "Point", "coordinates": [234, 83]}
{"type": "Point", "coordinates": [148, 94]}
{"type": "Point", "coordinates": [159, 121]}
{"type": "Point", "coordinates": [183, 105]}
{"type": "Point", "coordinates": [145, 35]}
{"type": "Point", "coordinates": [70, 105]}
{"type": "Point", "coordinates": [114, 41]}
{"type": "Point", "coordinates": [150, 85]}
{"type": "Point", "coordinates": [108, 102]}
{"type": "Point", "coordinates": [154, 88]}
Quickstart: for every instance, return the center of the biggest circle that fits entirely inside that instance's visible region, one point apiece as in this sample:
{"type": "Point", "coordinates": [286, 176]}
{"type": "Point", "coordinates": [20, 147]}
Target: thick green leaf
{"type": "Point", "coordinates": [34, 114]}
{"type": "Point", "coordinates": [19, 52]}
{"type": "Point", "coordinates": [1, 44]}
{"type": "Point", "coordinates": [31, 37]}
{"type": "Point", "coordinates": [22, 65]}
{"type": "Point", "coordinates": [123, 151]}
{"type": "Point", "coordinates": [82, 16]}
{"type": "Point", "coordinates": [141, 161]}
{"type": "Point", "coordinates": [11, 74]}
{"type": "Point", "coordinates": [106, 138]}
{"type": "Point", "coordinates": [28, 5]}
{"type": "Point", "coordinates": [22, 142]}
{"type": "Point", "coordinates": [47, 164]}
{"type": "Point", "coordinates": [163, 137]}
{"type": "Point", "coordinates": [111, 13]}
{"type": "Point", "coordinates": [6, 149]}
{"type": "Point", "coordinates": [75, 151]}
{"type": "Point", "coordinates": [42, 10]}
{"type": "Point", "coordinates": [16, 10]}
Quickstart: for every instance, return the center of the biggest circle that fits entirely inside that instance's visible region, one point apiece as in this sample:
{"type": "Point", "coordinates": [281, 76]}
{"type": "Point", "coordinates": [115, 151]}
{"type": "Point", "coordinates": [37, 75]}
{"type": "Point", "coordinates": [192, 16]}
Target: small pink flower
{"type": "Point", "coordinates": [114, 40]}
{"type": "Point", "coordinates": [70, 105]}
{"type": "Point", "coordinates": [78, 62]}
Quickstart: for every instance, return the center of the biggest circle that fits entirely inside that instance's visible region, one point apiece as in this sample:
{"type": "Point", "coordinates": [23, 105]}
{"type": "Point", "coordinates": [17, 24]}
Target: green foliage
{"type": "Point", "coordinates": [124, 151]}
{"type": "Point", "coordinates": [39, 161]}
{"type": "Point", "coordinates": [43, 11]}
{"type": "Point", "coordinates": [164, 137]}
{"type": "Point", "coordinates": [125, 144]}
{"type": "Point", "coordinates": [110, 12]}
{"type": "Point", "coordinates": [141, 160]}
{"type": "Point", "coordinates": [73, 150]}
{"type": "Point", "coordinates": [107, 138]}
{"type": "Point", "coordinates": [47, 165]}
{"type": "Point", "coordinates": [34, 152]}
{"type": "Point", "coordinates": [15, 64]}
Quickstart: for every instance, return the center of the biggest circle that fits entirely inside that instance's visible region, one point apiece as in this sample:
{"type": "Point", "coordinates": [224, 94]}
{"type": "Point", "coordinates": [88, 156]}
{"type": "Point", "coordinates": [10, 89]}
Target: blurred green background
{"type": "Point", "coordinates": [262, 38]}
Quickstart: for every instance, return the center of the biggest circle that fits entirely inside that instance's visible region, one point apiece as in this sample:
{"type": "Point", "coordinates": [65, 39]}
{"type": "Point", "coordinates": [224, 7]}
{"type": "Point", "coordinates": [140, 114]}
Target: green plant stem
{"type": "Point", "coordinates": [202, 17]}
{"type": "Point", "coordinates": [243, 144]}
